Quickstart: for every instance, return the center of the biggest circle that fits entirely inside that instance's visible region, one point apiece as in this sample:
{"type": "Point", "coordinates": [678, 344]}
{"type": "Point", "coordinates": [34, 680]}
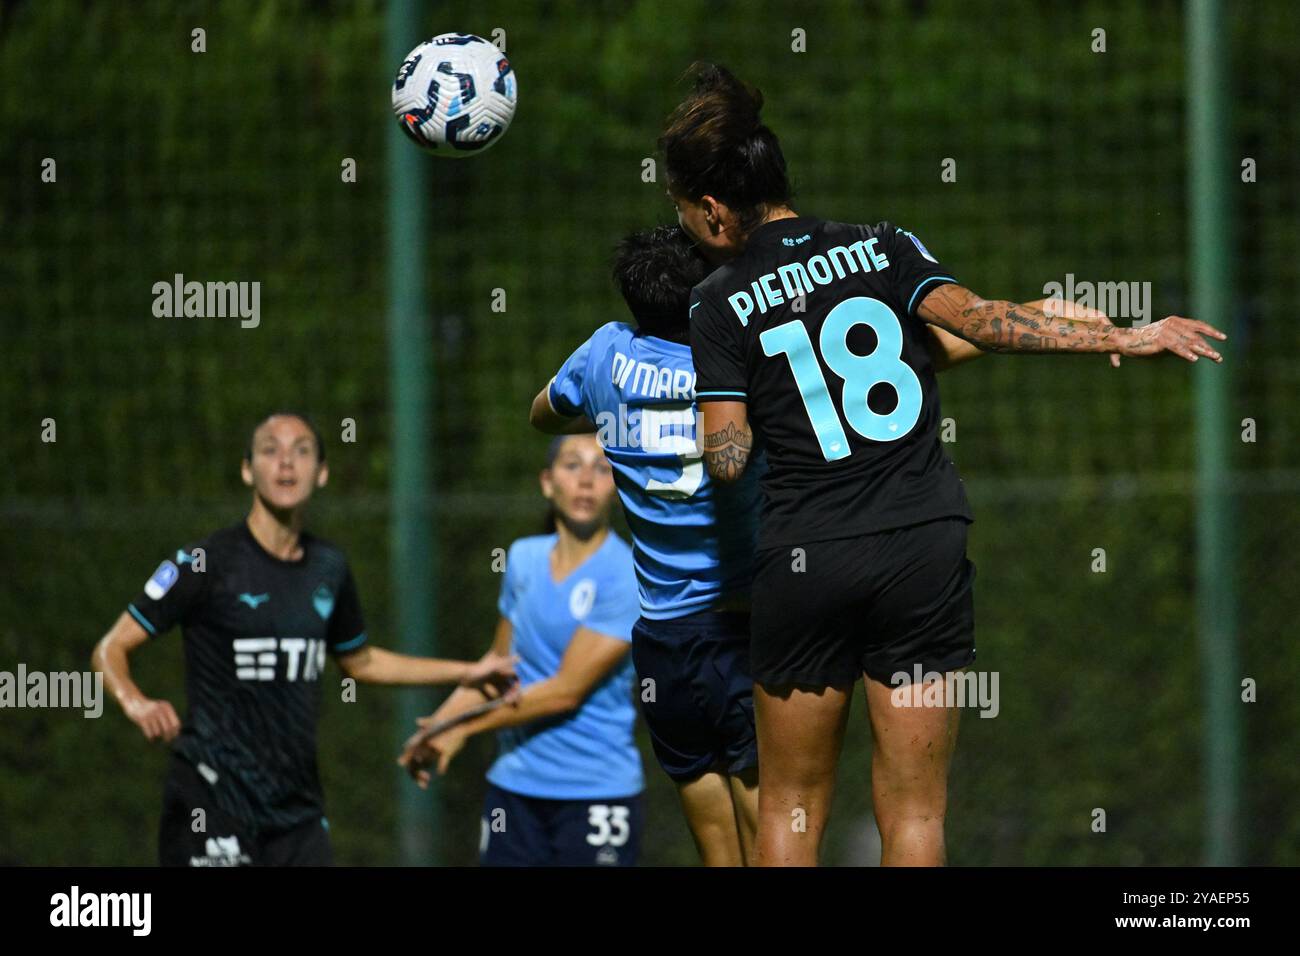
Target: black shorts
{"type": "Point", "coordinates": [223, 840]}
{"type": "Point", "coordinates": [532, 831]}
{"type": "Point", "coordinates": [880, 604]}
{"type": "Point", "coordinates": [700, 708]}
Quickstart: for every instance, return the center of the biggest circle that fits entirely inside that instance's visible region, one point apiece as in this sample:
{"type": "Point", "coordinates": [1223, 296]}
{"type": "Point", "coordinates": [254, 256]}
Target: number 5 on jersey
{"type": "Point", "coordinates": [861, 373]}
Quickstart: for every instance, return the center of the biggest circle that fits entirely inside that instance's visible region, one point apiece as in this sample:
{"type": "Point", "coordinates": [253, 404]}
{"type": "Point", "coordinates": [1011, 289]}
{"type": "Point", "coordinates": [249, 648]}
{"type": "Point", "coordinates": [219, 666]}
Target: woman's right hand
{"type": "Point", "coordinates": [156, 719]}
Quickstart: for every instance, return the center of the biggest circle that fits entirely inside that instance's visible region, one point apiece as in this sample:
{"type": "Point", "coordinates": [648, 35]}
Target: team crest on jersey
{"type": "Point", "coordinates": [323, 601]}
{"type": "Point", "coordinates": [921, 248]}
{"type": "Point", "coordinates": [581, 598]}
{"type": "Point", "coordinates": [162, 580]}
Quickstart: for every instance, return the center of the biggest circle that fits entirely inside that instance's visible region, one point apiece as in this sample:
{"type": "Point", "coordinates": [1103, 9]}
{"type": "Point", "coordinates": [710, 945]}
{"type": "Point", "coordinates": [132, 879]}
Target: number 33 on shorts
{"type": "Point", "coordinates": [610, 825]}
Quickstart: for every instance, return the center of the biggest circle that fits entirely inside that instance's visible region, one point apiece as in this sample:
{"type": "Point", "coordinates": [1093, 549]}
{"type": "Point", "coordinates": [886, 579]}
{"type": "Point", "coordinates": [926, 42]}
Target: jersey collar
{"type": "Point", "coordinates": [303, 540]}
{"type": "Point", "coordinates": [777, 229]}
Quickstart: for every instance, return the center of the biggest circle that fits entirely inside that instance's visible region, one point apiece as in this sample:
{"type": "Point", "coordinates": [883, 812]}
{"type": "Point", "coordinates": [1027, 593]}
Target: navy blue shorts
{"type": "Point", "coordinates": [531, 831]}
{"type": "Point", "coordinates": [700, 709]}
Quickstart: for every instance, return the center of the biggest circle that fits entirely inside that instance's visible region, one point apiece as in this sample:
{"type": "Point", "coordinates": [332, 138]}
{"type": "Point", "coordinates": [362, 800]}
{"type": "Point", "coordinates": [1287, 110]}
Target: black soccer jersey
{"type": "Point", "coordinates": [256, 631]}
{"type": "Point", "coordinates": [814, 326]}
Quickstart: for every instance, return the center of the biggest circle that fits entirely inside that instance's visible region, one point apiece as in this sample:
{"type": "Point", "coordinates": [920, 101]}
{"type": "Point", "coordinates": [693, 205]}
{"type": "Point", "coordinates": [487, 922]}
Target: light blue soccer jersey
{"type": "Point", "coordinates": [693, 538]}
{"type": "Point", "coordinates": [591, 752]}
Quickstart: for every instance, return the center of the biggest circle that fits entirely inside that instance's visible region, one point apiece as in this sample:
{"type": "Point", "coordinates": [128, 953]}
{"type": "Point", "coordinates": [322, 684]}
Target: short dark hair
{"type": "Point", "coordinates": [656, 269]}
{"type": "Point", "coordinates": [715, 144]}
{"type": "Point", "coordinates": [291, 413]}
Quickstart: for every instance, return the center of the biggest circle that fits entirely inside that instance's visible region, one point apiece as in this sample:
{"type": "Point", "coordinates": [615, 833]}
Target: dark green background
{"type": "Point", "coordinates": [226, 166]}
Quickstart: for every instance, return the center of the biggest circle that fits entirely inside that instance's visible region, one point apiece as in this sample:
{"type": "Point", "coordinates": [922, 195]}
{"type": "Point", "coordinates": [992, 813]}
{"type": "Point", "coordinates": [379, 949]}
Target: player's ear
{"type": "Point", "coordinates": [246, 471]}
{"type": "Point", "coordinates": [713, 213]}
{"type": "Point", "coordinates": [548, 486]}
{"type": "Point", "coordinates": [322, 475]}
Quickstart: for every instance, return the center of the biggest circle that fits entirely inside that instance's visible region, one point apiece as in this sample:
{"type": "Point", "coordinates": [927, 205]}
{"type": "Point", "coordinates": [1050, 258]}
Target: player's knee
{"type": "Point", "coordinates": [719, 845]}
{"type": "Point", "coordinates": [910, 809]}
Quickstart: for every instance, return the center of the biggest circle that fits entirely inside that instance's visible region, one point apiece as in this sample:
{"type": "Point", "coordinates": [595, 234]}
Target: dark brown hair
{"type": "Point", "coordinates": [656, 269]}
{"type": "Point", "coordinates": [715, 144]}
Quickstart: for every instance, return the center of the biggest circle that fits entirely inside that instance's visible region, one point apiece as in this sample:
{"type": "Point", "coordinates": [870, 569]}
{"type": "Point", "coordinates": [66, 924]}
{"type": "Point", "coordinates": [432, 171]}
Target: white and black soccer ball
{"type": "Point", "coordinates": [455, 95]}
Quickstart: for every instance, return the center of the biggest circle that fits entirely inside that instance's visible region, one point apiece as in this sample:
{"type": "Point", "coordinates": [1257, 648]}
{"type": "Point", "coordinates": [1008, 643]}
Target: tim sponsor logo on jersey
{"type": "Point", "coordinates": [258, 658]}
{"type": "Point", "coordinates": [74, 908]}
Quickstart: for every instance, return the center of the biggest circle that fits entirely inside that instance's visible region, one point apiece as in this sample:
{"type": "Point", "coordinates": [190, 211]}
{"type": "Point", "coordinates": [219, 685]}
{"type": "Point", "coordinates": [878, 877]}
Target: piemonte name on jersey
{"type": "Point", "coordinates": [800, 278]}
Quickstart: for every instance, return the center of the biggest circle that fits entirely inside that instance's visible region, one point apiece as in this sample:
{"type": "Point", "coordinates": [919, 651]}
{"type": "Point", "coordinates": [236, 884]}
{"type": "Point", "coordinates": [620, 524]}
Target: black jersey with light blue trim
{"type": "Point", "coordinates": [256, 630]}
{"type": "Point", "coordinates": [814, 326]}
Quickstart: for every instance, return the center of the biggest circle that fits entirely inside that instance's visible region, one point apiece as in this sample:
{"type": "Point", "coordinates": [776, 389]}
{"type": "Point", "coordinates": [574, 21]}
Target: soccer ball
{"type": "Point", "coordinates": [455, 95]}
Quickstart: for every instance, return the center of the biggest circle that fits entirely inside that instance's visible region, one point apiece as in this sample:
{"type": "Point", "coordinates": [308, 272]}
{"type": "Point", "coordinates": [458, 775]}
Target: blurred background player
{"type": "Point", "coordinates": [635, 385]}
{"type": "Point", "coordinates": [565, 789]}
{"type": "Point", "coordinates": [259, 604]}
{"type": "Point", "coordinates": [877, 510]}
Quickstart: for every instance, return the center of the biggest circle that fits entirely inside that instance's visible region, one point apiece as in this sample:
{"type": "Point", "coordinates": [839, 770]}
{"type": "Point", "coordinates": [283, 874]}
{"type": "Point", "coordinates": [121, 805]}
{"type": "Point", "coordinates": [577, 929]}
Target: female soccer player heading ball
{"type": "Point", "coordinates": [259, 604]}
{"type": "Point", "coordinates": [811, 333]}
{"type": "Point", "coordinates": [693, 539]}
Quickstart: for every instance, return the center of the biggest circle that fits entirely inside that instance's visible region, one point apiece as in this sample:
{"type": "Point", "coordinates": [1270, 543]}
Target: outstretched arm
{"type": "Point", "coordinates": [465, 698]}
{"type": "Point", "coordinates": [947, 351]}
{"type": "Point", "coordinates": [1058, 306]}
{"type": "Point", "coordinates": [373, 665]}
{"type": "Point", "coordinates": [1001, 326]}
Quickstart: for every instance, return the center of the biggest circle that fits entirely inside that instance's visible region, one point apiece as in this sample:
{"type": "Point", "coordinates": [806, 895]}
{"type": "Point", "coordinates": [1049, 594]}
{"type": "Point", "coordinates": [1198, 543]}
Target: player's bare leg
{"type": "Point", "coordinates": [799, 737]}
{"type": "Point", "coordinates": [706, 801]}
{"type": "Point", "coordinates": [744, 801]}
{"type": "Point", "coordinates": [911, 749]}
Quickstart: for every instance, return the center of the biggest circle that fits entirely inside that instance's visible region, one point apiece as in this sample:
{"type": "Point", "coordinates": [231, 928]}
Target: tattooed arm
{"type": "Point", "coordinates": [1057, 306]}
{"type": "Point", "coordinates": [1001, 326]}
{"type": "Point", "coordinates": [947, 351]}
{"type": "Point", "coordinates": [728, 439]}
